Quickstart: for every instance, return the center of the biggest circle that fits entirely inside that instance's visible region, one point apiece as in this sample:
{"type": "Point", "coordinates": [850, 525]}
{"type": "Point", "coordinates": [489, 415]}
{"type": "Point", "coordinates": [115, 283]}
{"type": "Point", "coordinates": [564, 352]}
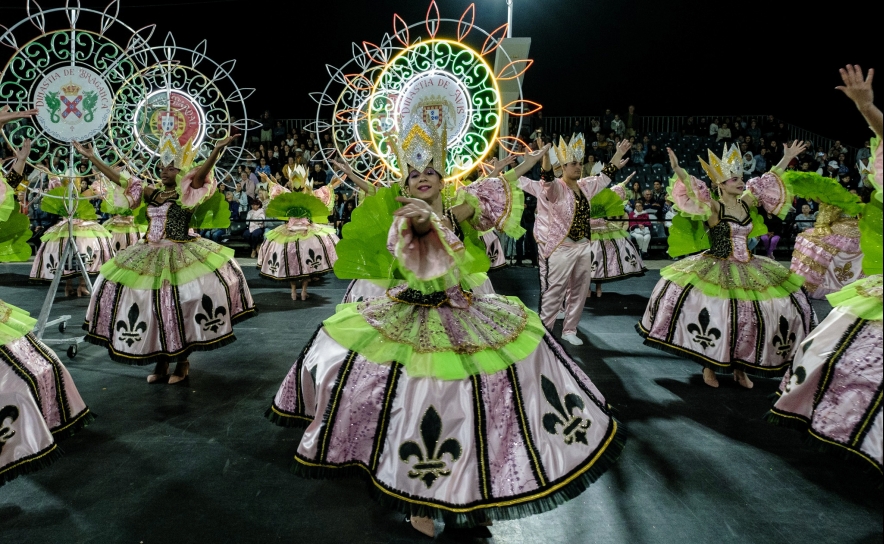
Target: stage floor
{"type": "Point", "coordinates": [198, 462]}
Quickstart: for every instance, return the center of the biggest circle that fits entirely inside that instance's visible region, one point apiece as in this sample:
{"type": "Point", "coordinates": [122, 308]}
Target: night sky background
{"type": "Point", "coordinates": [681, 57]}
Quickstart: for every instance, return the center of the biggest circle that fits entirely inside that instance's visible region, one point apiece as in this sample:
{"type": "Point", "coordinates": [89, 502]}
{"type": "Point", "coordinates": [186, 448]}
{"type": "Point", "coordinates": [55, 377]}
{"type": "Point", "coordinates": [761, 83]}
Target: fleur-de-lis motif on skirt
{"type": "Point", "coordinates": [704, 335]}
{"type": "Point", "coordinates": [212, 320]}
{"type": "Point", "coordinates": [573, 426]}
{"type": "Point", "coordinates": [797, 378]}
{"type": "Point", "coordinates": [314, 260]}
{"type": "Point", "coordinates": [630, 257]}
{"type": "Point", "coordinates": [134, 329]}
{"type": "Point", "coordinates": [431, 464]}
{"type": "Point", "coordinates": [844, 273]}
{"type": "Point", "coordinates": [8, 412]}
{"type": "Point", "coordinates": [51, 264]}
{"type": "Point", "coordinates": [492, 252]}
{"type": "Point", "coordinates": [273, 263]}
{"type": "Point", "coordinates": [88, 256]}
{"type": "Point", "coordinates": [595, 264]}
{"type": "Point", "coordinates": [784, 340]}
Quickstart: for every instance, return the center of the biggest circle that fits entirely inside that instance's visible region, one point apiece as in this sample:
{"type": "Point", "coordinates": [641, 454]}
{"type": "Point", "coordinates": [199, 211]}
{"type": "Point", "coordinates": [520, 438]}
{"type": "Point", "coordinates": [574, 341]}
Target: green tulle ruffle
{"type": "Point", "coordinates": [125, 229]}
{"type": "Point", "coordinates": [871, 241]}
{"type": "Point", "coordinates": [759, 279]}
{"type": "Point", "coordinates": [147, 266]}
{"type": "Point", "coordinates": [14, 235]}
{"type": "Point", "coordinates": [606, 204]}
{"type": "Point", "coordinates": [8, 204]}
{"type": "Point", "coordinates": [53, 204]}
{"type": "Point", "coordinates": [299, 205]}
{"type": "Point", "coordinates": [350, 329]}
{"type": "Point", "coordinates": [812, 186]}
{"type": "Point", "coordinates": [512, 224]}
{"type": "Point", "coordinates": [863, 298]}
{"type": "Point", "coordinates": [14, 323]}
{"type": "Point", "coordinates": [88, 229]}
{"type": "Point", "coordinates": [282, 235]}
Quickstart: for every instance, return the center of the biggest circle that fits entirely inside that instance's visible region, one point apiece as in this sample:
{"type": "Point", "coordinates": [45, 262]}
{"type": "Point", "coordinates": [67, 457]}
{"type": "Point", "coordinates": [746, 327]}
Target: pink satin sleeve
{"type": "Point", "coordinates": [323, 194]}
{"type": "Point", "coordinates": [692, 199]}
{"type": "Point", "coordinates": [276, 190]}
{"type": "Point", "coordinates": [495, 202]}
{"type": "Point", "coordinates": [425, 256]}
{"type": "Point", "coordinates": [770, 192]}
{"type": "Point", "coordinates": [620, 191]}
{"type": "Point", "coordinates": [593, 185]}
{"type": "Point", "coordinates": [190, 196]}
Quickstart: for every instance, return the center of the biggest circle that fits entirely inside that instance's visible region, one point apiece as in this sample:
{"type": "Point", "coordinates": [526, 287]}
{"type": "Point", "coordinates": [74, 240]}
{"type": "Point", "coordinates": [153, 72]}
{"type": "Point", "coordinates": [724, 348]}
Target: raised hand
{"type": "Point", "coordinates": [226, 141]}
{"type": "Point", "coordinates": [416, 209]}
{"type": "Point", "coordinates": [856, 87]}
{"type": "Point", "coordinates": [794, 150]}
{"type": "Point", "coordinates": [343, 167]}
{"type": "Point", "coordinates": [535, 156]}
{"type": "Point", "coordinates": [21, 154]}
{"type": "Point", "coordinates": [84, 149]}
{"type": "Point", "coordinates": [625, 182]}
{"type": "Point", "coordinates": [7, 115]}
{"type": "Point", "coordinates": [497, 166]}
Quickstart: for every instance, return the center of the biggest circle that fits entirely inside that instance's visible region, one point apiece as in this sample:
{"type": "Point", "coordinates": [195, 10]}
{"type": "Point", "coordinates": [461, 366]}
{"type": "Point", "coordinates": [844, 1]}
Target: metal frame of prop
{"type": "Point", "coordinates": [360, 79]}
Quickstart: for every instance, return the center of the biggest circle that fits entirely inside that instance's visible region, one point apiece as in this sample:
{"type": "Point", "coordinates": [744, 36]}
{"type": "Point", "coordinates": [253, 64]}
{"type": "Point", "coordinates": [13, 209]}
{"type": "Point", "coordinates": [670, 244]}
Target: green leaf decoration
{"type": "Point", "coordinates": [14, 235]}
{"type": "Point", "coordinates": [606, 204]}
{"type": "Point", "coordinates": [870, 238]}
{"type": "Point", "coordinates": [362, 252]}
{"type": "Point", "coordinates": [55, 206]}
{"type": "Point", "coordinates": [298, 205]}
{"type": "Point", "coordinates": [812, 186]}
{"type": "Point", "coordinates": [214, 213]}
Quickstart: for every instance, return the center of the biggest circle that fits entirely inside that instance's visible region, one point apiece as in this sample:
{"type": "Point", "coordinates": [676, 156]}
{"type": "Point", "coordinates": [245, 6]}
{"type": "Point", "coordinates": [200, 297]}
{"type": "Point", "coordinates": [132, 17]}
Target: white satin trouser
{"type": "Point", "coordinates": [564, 278]}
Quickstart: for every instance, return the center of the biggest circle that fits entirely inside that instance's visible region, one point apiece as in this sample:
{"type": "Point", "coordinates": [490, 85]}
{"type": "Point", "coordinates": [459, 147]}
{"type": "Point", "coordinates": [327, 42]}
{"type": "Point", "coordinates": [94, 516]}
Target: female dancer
{"type": "Point", "coordinates": [303, 248]}
{"type": "Point", "coordinates": [828, 255]}
{"type": "Point", "coordinates": [125, 225]}
{"type": "Point", "coordinates": [614, 258]}
{"type": "Point", "coordinates": [453, 405]}
{"type": "Point", "coordinates": [39, 402]}
{"type": "Point", "coordinates": [171, 293]}
{"type": "Point", "coordinates": [833, 388]}
{"type": "Point", "coordinates": [92, 240]}
{"type": "Point", "coordinates": [725, 308]}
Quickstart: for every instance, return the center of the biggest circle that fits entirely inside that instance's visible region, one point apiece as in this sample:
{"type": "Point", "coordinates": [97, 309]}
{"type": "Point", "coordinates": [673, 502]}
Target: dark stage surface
{"type": "Point", "coordinates": [197, 462]}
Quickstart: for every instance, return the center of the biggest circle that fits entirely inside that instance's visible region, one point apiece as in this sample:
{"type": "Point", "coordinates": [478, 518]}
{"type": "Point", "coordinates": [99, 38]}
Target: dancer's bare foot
{"type": "Point", "coordinates": [304, 295]}
{"type": "Point", "coordinates": [294, 291]}
{"type": "Point", "coordinates": [254, 253]}
{"type": "Point", "coordinates": [424, 525]}
{"type": "Point", "coordinates": [598, 289]}
{"type": "Point", "coordinates": [160, 371]}
{"type": "Point", "coordinates": [69, 288]}
{"type": "Point", "coordinates": [709, 377]}
{"type": "Point", "coordinates": [181, 371]}
{"type": "Point", "coordinates": [741, 378]}
{"type": "Point", "coordinates": [82, 291]}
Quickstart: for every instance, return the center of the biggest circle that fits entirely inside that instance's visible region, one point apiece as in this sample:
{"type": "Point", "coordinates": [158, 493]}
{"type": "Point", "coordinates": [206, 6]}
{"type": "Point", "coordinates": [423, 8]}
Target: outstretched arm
{"type": "Point", "coordinates": [789, 153]}
{"type": "Point", "coordinates": [21, 157]}
{"type": "Point", "coordinates": [7, 115]}
{"type": "Point", "coordinates": [367, 187]}
{"type": "Point", "coordinates": [531, 159]}
{"type": "Point", "coordinates": [87, 151]}
{"type": "Point", "coordinates": [202, 172]}
{"type": "Point", "coordinates": [673, 162]}
{"type": "Point", "coordinates": [860, 91]}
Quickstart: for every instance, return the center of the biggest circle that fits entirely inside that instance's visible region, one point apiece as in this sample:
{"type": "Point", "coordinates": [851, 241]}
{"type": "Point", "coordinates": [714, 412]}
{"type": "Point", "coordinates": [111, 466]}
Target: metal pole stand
{"type": "Point", "coordinates": [68, 255]}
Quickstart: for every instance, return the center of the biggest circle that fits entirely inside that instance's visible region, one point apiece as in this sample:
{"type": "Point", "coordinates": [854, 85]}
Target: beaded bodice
{"type": "Point", "coordinates": [728, 239]}
{"type": "Point", "coordinates": [580, 225]}
{"type": "Point", "coordinates": [168, 220]}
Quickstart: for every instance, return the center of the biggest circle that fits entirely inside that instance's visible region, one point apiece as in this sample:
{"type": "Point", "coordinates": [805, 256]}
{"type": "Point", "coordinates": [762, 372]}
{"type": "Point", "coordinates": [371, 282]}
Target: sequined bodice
{"type": "Point", "coordinates": [168, 221]}
{"type": "Point", "coordinates": [580, 226]}
{"type": "Point", "coordinates": [728, 239]}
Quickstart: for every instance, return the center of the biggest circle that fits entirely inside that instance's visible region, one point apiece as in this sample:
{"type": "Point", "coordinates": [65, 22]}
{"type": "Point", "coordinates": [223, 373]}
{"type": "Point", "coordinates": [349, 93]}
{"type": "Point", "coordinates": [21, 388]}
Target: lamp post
{"type": "Point", "coordinates": [509, 18]}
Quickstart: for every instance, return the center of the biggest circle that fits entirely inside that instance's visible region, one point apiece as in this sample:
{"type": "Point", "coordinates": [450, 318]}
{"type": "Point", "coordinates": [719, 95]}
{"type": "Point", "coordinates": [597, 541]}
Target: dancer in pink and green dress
{"type": "Point", "coordinates": [171, 293]}
{"type": "Point", "coordinates": [833, 390]}
{"type": "Point", "coordinates": [452, 405]}
{"type": "Point", "coordinates": [726, 308]}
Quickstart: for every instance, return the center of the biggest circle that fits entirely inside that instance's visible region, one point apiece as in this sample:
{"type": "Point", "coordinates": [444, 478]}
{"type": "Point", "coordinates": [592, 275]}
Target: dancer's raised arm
{"type": "Point", "coordinates": [21, 157]}
{"type": "Point", "coordinates": [87, 151]}
{"type": "Point", "coordinates": [789, 153]}
{"type": "Point", "coordinates": [202, 172]}
{"type": "Point", "coordinates": [360, 182]}
{"type": "Point", "coordinates": [859, 90]}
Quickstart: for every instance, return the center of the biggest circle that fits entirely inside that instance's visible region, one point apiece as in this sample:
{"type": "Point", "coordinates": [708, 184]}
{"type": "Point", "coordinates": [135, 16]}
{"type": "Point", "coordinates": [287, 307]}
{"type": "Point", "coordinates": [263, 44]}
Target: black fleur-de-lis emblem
{"type": "Point", "coordinates": [8, 412]}
{"type": "Point", "coordinates": [118, 246]}
{"type": "Point", "coordinates": [784, 339]}
{"type": "Point", "coordinates": [213, 319]}
{"type": "Point", "coordinates": [314, 260]}
{"type": "Point", "coordinates": [88, 256]}
{"type": "Point", "coordinates": [630, 258]}
{"type": "Point", "coordinates": [430, 464]}
{"type": "Point", "coordinates": [51, 264]}
{"type": "Point", "coordinates": [573, 426]}
{"type": "Point", "coordinates": [595, 264]}
{"type": "Point", "coordinates": [132, 330]}
{"type": "Point", "coordinates": [273, 263]}
{"type": "Point", "coordinates": [492, 252]}
{"type": "Point", "coordinates": [797, 378]}
{"type": "Point", "coordinates": [704, 335]}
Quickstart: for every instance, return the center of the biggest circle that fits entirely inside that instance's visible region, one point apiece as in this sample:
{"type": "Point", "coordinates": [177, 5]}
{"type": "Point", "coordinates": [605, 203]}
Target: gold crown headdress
{"type": "Point", "coordinates": [729, 166]}
{"type": "Point", "coordinates": [297, 175]}
{"type": "Point", "coordinates": [572, 151]}
{"type": "Point", "coordinates": [171, 152]}
{"type": "Point", "coordinates": [420, 146]}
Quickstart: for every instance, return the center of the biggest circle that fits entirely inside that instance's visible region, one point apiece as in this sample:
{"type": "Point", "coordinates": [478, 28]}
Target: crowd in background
{"type": "Point", "coordinates": [277, 149]}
